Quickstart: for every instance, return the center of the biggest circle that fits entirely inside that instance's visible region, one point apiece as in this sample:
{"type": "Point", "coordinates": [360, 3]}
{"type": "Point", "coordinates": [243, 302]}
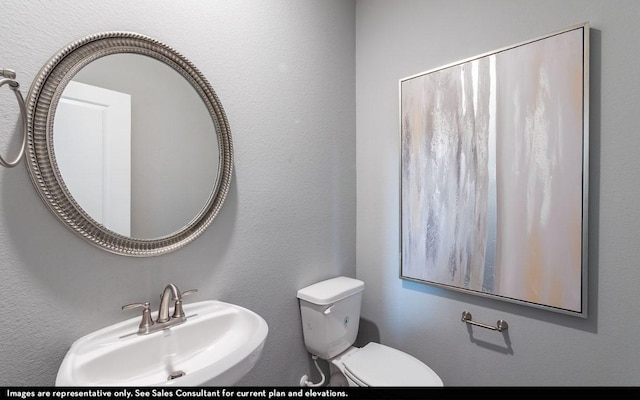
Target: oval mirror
{"type": "Point", "coordinates": [128, 144]}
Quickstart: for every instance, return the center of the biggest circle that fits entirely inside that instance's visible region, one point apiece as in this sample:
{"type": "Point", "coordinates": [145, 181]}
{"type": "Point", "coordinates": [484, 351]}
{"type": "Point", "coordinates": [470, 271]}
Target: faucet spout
{"type": "Point", "coordinates": [169, 293]}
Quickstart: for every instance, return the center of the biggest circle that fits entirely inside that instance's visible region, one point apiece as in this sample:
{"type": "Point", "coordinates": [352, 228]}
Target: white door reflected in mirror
{"type": "Point", "coordinates": [93, 151]}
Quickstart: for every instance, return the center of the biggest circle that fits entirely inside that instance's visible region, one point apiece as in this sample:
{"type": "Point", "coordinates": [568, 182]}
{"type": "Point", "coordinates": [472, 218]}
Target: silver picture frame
{"type": "Point", "coordinates": [494, 174]}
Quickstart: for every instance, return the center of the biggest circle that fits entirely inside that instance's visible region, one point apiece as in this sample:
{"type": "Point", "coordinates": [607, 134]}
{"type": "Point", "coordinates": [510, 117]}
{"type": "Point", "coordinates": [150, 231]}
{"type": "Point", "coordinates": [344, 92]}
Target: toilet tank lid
{"type": "Point", "coordinates": [331, 290]}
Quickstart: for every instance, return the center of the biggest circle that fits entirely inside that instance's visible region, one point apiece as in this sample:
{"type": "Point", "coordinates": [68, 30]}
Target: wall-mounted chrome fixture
{"type": "Point", "coordinates": [501, 325]}
{"type": "Point", "coordinates": [9, 77]}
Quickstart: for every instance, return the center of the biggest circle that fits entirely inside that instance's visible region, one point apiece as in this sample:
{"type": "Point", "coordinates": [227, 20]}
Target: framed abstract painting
{"type": "Point", "coordinates": [494, 173]}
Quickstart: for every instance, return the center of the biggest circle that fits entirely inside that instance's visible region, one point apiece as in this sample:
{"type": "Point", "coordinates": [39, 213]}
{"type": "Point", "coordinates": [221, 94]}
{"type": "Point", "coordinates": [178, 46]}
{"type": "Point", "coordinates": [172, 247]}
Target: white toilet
{"type": "Point", "coordinates": [330, 313]}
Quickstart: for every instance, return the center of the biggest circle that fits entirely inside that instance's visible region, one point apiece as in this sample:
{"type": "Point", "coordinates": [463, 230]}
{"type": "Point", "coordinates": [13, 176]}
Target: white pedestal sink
{"type": "Point", "coordinates": [217, 346]}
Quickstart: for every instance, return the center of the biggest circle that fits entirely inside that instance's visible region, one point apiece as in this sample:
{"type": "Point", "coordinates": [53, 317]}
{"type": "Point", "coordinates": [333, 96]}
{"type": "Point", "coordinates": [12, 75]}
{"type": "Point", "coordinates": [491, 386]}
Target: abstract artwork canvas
{"type": "Point", "coordinates": [494, 173]}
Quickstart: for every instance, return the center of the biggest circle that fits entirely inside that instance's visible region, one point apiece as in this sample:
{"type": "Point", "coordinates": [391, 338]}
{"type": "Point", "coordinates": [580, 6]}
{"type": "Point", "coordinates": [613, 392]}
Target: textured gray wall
{"type": "Point", "coordinates": [396, 39]}
{"type": "Point", "coordinates": [284, 71]}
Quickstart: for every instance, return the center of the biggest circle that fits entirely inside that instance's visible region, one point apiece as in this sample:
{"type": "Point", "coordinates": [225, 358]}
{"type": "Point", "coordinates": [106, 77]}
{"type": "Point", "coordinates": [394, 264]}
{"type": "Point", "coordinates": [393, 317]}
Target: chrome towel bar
{"type": "Point", "coordinates": [10, 78]}
{"type": "Point", "coordinates": [501, 325]}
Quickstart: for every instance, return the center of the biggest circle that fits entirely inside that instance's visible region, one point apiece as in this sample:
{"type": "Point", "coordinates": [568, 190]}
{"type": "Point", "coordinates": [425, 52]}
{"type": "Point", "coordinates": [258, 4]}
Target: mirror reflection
{"type": "Point", "coordinates": [135, 146]}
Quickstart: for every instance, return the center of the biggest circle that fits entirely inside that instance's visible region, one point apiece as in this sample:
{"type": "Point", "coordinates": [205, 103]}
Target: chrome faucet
{"type": "Point", "coordinates": [163, 321]}
{"type": "Point", "coordinates": [170, 292]}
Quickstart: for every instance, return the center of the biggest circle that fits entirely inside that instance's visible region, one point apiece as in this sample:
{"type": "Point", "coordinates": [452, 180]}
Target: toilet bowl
{"type": "Point", "coordinates": [379, 365]}
{"type": "Point", "coordinates": [330, 312]}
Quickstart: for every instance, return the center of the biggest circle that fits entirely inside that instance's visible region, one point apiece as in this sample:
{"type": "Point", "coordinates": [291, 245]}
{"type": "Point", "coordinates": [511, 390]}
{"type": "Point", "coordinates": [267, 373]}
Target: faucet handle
{"type": "Point", "coordinates": [131, 306]}
{"type": "Point", "coordinates": [188, 292]}
{"type": "Point", "coordinates": [177, 308]}
{"type": "Point", "coordinates": [146, 321]}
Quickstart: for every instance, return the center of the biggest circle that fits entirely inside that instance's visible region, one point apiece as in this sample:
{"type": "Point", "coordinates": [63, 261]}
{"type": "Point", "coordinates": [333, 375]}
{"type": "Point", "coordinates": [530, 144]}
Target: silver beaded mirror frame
{"type": "Point", "coordinates": [43, 170]}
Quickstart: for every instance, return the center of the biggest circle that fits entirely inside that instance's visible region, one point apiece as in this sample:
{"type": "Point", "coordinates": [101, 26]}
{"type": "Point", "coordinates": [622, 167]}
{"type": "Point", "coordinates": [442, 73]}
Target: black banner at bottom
{"type": "Point", "coordinates": [272, 393]}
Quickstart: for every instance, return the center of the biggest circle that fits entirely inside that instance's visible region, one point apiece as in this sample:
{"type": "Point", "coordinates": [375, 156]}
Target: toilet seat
{"type": "Point", "coordinates": [379, 365]}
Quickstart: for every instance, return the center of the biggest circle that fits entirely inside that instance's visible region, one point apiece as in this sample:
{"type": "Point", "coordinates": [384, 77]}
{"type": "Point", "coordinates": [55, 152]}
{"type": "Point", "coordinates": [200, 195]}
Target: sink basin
{"type": "Point", "coordinates": [217, 346]}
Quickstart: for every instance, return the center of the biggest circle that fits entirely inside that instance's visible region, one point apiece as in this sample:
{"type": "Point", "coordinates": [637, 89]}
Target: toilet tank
{"type": "Point", "coordinates": [330, 312]}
